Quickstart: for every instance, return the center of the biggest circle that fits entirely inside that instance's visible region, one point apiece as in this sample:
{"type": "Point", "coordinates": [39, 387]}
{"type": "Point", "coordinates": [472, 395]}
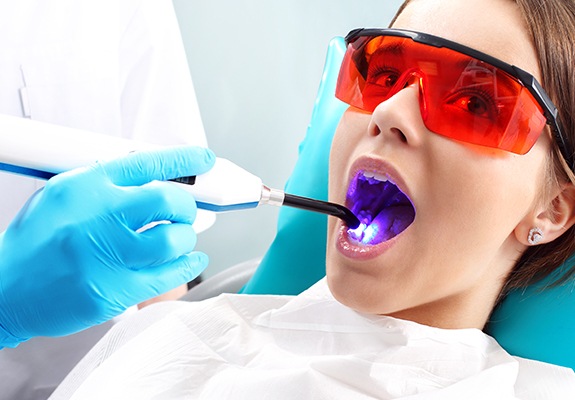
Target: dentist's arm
{"type": "Point", "coordinates": [73, 257]}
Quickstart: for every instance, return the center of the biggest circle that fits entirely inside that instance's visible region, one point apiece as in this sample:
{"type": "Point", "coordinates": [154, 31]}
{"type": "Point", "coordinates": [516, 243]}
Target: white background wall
{"type": "Point", "coordinates": [256, 66]}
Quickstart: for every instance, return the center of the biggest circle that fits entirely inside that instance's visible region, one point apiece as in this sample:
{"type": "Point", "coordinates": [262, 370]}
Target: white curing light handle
{"type": "Point", "coordinates": [42, 150]}
{"type": "Point", "coordinates": [225, 187]}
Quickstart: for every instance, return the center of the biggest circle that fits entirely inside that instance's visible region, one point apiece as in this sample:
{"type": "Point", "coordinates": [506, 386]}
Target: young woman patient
{"type": "Point", "coordinates": [460, 167]}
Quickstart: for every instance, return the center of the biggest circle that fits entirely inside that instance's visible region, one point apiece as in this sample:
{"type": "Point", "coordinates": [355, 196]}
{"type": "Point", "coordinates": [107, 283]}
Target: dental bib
{"type": "Point", "coordinates": [304, 347]}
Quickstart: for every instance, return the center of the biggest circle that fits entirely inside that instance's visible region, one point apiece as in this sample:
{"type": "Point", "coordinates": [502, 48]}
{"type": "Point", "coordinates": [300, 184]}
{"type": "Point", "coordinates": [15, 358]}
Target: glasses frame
{"type": "Point", "coordinates": [525, 78]}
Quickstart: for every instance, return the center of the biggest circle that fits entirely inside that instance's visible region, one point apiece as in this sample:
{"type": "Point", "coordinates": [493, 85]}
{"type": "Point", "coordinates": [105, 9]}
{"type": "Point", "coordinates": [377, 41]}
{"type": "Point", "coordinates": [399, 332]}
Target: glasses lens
{"type": "Point", "coordinates": [461, 97]}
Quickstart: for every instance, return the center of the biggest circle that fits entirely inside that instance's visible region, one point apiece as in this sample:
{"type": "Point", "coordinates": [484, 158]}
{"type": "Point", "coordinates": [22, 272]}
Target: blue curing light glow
{"type": "Point", "coordinates": [364, 233]}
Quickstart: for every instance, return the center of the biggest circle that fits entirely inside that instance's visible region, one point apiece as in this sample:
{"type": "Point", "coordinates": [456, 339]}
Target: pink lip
{"type": "Point", "coordinates": [350, 248]}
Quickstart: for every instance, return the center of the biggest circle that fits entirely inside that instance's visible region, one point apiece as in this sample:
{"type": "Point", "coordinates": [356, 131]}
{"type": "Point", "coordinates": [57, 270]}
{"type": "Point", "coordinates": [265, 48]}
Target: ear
{"type": "Point", "coordinates": [553, 218]}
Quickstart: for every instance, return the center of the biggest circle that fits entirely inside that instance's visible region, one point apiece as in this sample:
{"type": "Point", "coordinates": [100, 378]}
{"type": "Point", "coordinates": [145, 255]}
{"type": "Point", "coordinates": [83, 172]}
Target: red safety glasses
{"type": "Point", "coordinates": [464, 94]}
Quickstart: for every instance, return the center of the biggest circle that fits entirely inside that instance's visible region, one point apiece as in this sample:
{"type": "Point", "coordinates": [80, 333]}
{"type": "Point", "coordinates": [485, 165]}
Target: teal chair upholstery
{"type": "Point", "coordinates": [535, 323]}
{"type": "Point", "coordinates": [296, 257]}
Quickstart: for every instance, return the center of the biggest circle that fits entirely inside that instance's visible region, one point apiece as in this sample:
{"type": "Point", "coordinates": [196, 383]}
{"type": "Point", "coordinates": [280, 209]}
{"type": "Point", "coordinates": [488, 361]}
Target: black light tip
{"type": "Point", "coordinates": [351, 220]}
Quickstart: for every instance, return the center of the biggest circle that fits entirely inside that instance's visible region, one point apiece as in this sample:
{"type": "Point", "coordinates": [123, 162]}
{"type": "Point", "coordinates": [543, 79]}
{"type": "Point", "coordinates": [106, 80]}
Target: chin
{"type": "Point", "coordinates": [356, 289]}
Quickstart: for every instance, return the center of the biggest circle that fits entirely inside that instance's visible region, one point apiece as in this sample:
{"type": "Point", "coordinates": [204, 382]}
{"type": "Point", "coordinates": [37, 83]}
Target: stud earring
{"type": "Point", "coordinates": [535, 236]}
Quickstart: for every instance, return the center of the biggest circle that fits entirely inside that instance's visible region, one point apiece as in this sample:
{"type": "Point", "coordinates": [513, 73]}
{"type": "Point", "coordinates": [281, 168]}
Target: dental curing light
{"type": "Point", "coordinates": [228, 187]}
{"type": "Point", "coordinates": [43, 150]}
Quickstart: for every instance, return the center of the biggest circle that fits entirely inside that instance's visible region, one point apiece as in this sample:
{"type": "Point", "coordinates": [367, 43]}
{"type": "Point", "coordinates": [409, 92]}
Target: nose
{"type": "Point", "coordinates": [399, 117]}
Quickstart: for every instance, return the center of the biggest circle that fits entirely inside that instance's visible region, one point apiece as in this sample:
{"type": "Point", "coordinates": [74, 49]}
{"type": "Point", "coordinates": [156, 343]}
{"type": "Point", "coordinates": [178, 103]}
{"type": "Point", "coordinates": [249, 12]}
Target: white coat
{"type": "Point", "coordinates": [110, 66]}
{"type": "Point", "coordinates": [115, 67]}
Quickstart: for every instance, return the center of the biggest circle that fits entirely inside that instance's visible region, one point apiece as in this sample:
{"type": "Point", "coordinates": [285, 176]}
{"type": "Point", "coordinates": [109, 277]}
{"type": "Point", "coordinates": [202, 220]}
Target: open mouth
{"type": "Point", "coordinates": [383, 210]}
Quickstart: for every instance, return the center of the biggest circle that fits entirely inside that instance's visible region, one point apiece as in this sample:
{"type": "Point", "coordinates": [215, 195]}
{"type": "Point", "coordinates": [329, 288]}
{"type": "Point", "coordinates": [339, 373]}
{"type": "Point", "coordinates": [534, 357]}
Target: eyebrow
{"type": "Point", "coordinates": [395, 48]}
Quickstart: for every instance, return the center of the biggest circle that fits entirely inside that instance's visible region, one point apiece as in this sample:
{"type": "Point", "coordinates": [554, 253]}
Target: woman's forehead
{"type": "Point", "coordinates": [495, 27]}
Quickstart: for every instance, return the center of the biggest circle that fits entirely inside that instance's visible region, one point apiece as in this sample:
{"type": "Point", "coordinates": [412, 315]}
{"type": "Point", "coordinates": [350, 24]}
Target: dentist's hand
{"type": "Point", "coordinates": [73, 257]}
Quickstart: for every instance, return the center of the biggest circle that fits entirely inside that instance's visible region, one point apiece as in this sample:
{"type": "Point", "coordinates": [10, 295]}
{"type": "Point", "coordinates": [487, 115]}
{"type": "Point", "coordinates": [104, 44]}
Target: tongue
{"type": "Point", "coordinates": [390, 222]}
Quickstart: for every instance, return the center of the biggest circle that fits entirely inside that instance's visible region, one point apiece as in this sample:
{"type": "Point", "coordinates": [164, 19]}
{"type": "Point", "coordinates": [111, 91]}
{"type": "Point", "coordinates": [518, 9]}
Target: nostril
{"type": "Point", "coordinates": [400, 134]}
{"type": "Point", "coordinates": [375, 131]}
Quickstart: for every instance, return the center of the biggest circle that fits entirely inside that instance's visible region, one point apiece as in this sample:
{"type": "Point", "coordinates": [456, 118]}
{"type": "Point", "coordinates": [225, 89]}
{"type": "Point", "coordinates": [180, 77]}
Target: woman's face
{"type": "Point", "coordinates": [446, 268]}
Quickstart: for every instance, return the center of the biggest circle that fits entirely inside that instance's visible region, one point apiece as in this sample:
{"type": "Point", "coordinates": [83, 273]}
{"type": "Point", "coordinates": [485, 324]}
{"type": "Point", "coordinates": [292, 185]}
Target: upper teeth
{"type": "Point", "coordinates": [375, 175]}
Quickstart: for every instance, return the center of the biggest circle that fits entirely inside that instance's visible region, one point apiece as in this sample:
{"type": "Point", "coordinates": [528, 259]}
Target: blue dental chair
{"type": "Point", "coordinates": [534, 323]}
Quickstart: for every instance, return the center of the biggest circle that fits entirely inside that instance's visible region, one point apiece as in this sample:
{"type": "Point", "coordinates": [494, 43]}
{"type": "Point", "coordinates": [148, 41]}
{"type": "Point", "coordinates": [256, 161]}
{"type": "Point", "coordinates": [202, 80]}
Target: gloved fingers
{"type": "Point", "coordinates": [170, 275]}
{"type": "Point", "coordinates": [157, 201]}
{"type": "Point", "coordinates": [163, 164]}
{"type": "Point", "coordinates": [160, 244]}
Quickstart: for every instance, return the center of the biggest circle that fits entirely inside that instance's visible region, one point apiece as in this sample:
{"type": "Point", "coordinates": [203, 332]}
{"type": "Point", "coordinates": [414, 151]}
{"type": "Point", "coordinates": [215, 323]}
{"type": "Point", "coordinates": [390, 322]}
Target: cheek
{"type": "Point", "coordinates": [344, 142]}
{"type": "Point", "coordinates": [348, 131]}
{"type": "Point", "coordinates": [483, 199]}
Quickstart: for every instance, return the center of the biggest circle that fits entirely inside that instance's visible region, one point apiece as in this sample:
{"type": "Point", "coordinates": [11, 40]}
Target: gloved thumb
{"type": "Point", "coordinates": [174, 273]}
{"type": "Point", "coordinates": [140, 168]}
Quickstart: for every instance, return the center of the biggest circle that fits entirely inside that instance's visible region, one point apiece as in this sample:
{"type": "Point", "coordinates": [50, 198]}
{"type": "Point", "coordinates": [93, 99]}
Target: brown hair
{"type": "Point", "coordinates": [550, 24]}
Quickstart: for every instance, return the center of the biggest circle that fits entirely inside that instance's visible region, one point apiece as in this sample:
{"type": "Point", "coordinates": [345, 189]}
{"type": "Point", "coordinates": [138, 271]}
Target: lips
{"type": "Point", "coordinates": [382, 208]}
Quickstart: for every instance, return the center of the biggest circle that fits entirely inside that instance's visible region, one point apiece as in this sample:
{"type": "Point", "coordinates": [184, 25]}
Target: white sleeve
{"type": "Point", "coordinates": [158, 100]}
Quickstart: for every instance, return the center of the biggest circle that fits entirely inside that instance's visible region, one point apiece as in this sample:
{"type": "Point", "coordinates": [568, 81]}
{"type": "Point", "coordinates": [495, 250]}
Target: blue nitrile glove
{"type": "Point", "coordinates": [73, 258]}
